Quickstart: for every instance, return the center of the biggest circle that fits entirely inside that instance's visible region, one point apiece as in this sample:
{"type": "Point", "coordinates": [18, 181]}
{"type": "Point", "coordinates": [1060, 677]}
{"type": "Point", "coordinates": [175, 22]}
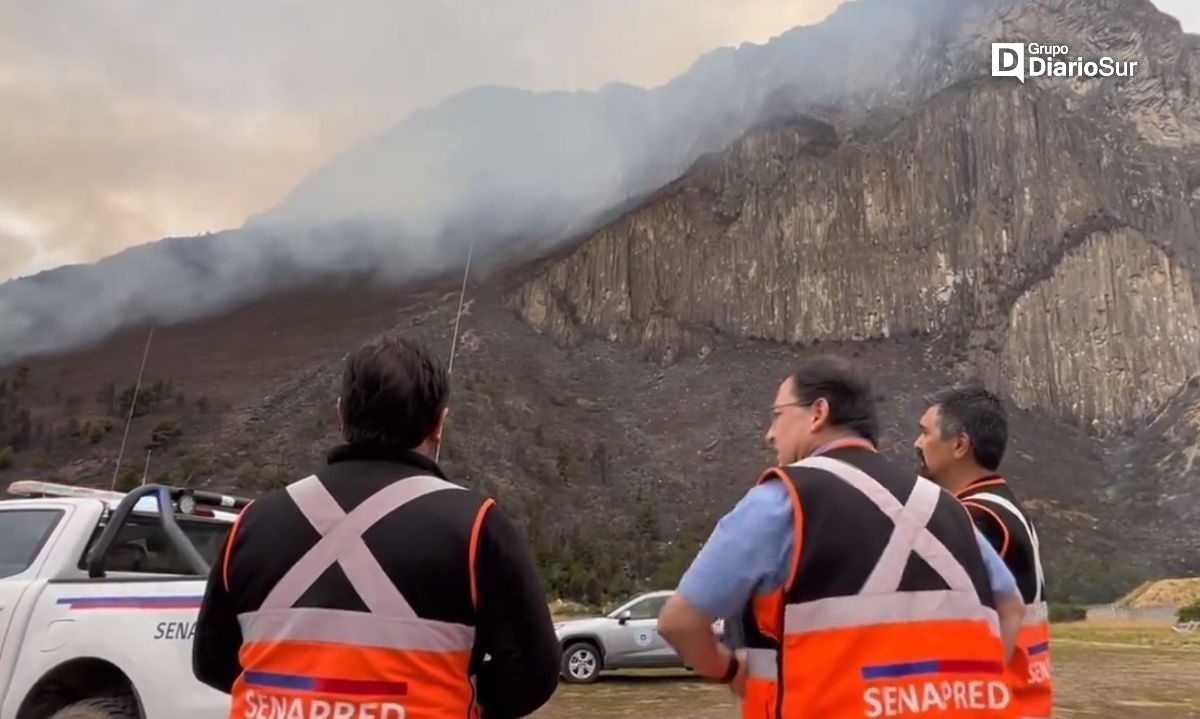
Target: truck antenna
{"type": "Point", "coordinates": [132, 406]}
{"type": "Point", "coordinates": [146, 471]}
{"type": "Point", "coordinates": [454, 338]}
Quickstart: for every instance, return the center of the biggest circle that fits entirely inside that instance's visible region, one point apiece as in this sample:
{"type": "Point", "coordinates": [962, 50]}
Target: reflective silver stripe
{"type": "Point", "coordinates": [863, 610]}
{"type": "Point", "coordinates": [880, 601]}
{"type": "Point", "coordinates": [1029, 531]}
{"type": "Point", "coordinates": [910, 534]}
{"type": "Point", "coordinates": [341, 541]}
{"type": "Point", "coordinates": [911, 520]}
{"type": "Point", "coordinates": [357, 628]}
{"type": "Point", "coordinates": [762, 664]}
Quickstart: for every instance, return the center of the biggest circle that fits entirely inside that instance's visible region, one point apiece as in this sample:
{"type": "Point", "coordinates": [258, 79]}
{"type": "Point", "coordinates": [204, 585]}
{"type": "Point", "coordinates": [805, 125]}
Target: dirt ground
{"type": "Point", "coordinates": [1102, 671]}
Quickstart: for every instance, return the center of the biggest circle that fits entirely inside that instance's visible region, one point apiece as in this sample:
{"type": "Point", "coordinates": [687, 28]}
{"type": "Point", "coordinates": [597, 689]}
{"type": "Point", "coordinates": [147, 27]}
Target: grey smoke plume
{"type": "Point", "coordinates": [502, 167]}
{"type": "Point", "coordinates": [505, 154]}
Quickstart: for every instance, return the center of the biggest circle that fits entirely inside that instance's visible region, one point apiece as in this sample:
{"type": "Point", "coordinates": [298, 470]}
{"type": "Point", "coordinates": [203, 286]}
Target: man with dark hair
{"type": "Point", "coordinates": [377, 587]}
{"type": "Point", "coordinates": [860, 584]}
{"type": "Point", "coordinates": [962, 439]}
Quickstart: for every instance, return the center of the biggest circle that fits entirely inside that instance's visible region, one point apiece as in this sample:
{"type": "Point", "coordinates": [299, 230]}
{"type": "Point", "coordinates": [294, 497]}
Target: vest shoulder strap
{"type": "Point", "coordinates": [910, 532]}
{"type": "Point", "coordinates": [342, 542]}
{"type": "Point", "coordinates": [1008, 506]}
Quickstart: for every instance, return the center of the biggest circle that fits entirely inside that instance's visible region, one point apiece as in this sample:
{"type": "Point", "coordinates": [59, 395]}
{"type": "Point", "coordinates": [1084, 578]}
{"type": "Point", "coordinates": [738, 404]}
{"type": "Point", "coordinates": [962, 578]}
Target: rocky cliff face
{"type": "Point", "coordinates": [1050, 226]}
{"type": "Point", "coordinates": [1157, 476]}
{"type": "Point", "coordinates": [1161, 100]}
{"type": "Point", "coordinates": [795, 235]}
{"type": "Point", "coordinates": [1112, 334]}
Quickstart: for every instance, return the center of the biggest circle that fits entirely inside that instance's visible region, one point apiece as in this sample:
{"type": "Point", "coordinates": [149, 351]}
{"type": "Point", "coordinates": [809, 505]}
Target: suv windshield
{"type": "Point", "coordinates": [648, 608]}
{"type": "Point", "coordinates": [22, 534]}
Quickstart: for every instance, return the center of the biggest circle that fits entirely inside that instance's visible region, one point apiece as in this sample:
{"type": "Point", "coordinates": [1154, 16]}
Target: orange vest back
{"type": "Point", "coordinates": [888, 612]}
{"type": "Point", "coordinates": [383, 663]}
{"type": "Point", "coordinates": [1029, 669]}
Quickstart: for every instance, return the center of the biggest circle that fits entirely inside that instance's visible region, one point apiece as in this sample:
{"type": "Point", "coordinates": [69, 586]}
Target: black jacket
{"type": "Point", "coordinates": [513, 624]}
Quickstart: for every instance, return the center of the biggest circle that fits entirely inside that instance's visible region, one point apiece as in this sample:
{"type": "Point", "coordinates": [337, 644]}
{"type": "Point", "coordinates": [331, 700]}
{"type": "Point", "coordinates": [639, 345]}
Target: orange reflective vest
{"type": "Point", "coordinates": [761, 698]}
{"type": "Point", "coordinates": [888, 611]}
{"type": "Point", "coordinates": [384, 663]}
{"type": "Point", "coordinates": [1029, 669]}
{"type": "Point", "coordinates": [763, 626]}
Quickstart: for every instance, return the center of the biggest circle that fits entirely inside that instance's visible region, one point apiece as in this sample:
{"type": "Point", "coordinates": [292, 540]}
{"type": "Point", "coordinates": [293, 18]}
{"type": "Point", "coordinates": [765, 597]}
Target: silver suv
{"type": "Point", "coordinates": [626, 638]}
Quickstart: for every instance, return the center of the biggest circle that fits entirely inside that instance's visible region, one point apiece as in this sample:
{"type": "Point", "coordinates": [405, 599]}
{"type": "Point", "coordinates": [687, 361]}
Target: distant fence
{"type": "Point", "coordinates": [1156, 615]}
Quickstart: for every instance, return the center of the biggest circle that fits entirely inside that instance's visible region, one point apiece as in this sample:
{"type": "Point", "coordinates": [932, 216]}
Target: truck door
{"type": "Point", "coordinates": [23, 535]}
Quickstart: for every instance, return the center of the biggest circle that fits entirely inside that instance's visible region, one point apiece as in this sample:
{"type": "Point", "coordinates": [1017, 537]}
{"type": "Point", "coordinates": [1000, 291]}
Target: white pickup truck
{"type": "Point", "coordinates": [99, 593]}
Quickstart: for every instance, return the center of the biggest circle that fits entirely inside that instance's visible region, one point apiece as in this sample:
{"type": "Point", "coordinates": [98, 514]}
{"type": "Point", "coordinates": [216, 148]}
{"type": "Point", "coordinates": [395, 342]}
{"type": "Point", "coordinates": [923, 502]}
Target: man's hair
{"type": "Point", "coordinates": [846, 389]}
{"type": "Point", "coordinates": [393, 391]}
{"type": "Point", "coordinates": [979, 414]}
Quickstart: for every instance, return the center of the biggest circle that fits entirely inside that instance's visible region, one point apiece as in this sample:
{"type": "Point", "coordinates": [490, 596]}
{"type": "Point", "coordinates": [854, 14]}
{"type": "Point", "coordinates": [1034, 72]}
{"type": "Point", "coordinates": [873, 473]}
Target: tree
{"type": "Point", "coordinates": [647, 534]}
{"type": "Point", "coordinates": [22, 431]}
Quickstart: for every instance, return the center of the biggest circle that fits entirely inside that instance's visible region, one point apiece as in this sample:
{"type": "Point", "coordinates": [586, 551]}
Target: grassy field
{"type": "Point", "coordinates": [1108, 671]}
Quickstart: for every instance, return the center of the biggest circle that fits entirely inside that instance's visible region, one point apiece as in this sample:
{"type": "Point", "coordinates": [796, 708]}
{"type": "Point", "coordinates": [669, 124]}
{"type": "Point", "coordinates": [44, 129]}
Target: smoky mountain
{"type": "Point", "coordinates": [509, 171]}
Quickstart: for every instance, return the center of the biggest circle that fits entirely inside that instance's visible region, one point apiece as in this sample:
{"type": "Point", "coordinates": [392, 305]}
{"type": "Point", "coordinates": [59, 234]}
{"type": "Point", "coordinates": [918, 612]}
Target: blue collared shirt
{"type": "Point", "coordinates": [750, 552]}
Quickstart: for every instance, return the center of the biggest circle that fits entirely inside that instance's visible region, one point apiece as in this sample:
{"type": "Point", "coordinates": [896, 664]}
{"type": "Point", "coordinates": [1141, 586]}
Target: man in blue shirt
{"type": "Point", "coordinates": [750, 551]}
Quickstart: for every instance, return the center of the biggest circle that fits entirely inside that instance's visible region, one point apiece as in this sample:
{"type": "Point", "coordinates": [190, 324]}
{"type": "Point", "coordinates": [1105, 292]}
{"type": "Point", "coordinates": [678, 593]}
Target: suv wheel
{"type": "Point", "coordinates": [114, 707]}
{"type": "Point", "coordinates": [581, 663]}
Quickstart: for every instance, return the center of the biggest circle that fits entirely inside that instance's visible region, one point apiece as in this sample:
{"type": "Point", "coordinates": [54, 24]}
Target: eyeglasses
{"type": "Point", "coordinates": [775, 410]}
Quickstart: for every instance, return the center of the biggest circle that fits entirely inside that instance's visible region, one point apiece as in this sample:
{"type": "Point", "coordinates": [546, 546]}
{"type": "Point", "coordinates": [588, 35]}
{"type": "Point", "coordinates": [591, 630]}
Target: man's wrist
{"type": "Point", "coordinates": [731, 671]}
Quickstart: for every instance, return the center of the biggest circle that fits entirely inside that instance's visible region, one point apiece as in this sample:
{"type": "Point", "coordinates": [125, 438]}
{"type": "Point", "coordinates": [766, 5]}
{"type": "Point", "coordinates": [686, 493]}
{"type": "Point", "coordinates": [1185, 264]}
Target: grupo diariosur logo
{"type": "Point", "coordinates": [1023, 60]}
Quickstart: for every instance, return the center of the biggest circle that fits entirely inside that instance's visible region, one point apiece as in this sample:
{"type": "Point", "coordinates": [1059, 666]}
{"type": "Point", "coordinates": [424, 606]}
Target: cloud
{"type": "Point", "coordinates": [26, 244]}
{"type": "Point", "coordinates": [128, 120]}
{"type": "Point", "coordinates": [1186, 11]}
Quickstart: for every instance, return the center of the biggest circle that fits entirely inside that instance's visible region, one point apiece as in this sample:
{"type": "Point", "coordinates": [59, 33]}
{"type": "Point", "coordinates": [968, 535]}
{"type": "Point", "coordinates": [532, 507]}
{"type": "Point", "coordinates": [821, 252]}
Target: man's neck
{"type": "Point", "coordinates": [833, 436]}
{"type": "Point", "coordinates": [426, 449]}
{"type": "Point", "coordinates": [965, 477]}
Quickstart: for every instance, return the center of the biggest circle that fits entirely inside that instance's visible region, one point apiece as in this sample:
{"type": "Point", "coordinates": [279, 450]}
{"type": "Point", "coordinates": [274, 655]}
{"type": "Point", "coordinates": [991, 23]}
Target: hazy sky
{"type": "Point", "coordinates": [123, 121]}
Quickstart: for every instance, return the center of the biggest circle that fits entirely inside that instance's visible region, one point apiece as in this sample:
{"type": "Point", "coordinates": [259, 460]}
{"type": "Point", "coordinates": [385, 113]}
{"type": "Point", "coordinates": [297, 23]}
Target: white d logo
{"type": "Point", "coordinates": [1008, 60]}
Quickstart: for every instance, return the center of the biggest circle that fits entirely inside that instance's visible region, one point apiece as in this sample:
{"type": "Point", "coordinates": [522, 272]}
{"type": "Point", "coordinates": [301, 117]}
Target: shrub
{"type": "Point", "coordinates": [163, 433]}
{"type": "Point", "coordinates": [1190, 612]}
{"type": "Point", "coordinates": [1060, 613]}
{"type": "Point", "coordinates": [129, 480]}
{"type": "Point", "coordinates": [7, 457]}
{"type": "Point", "coordinates": [93, 429]}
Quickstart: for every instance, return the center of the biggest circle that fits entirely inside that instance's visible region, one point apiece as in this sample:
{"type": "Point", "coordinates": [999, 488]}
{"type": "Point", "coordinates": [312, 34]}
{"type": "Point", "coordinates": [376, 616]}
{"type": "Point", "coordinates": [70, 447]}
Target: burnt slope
{"type": "Point", "coordinates": [617, 466]}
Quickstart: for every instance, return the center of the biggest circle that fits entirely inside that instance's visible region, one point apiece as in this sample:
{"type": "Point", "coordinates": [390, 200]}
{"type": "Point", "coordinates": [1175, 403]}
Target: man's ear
{"type": "Point", "coordinates": [440, 427]}
{"type": "Point", "coordinates": [962, 445]}
{"type": "Point", "coordinates": [820, 414]}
